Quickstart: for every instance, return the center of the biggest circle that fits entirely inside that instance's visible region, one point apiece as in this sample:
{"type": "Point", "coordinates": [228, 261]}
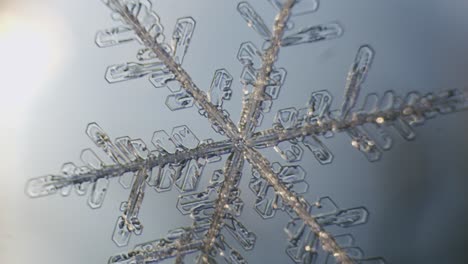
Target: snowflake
{"type": "Point", "coordinates": [179, 157]}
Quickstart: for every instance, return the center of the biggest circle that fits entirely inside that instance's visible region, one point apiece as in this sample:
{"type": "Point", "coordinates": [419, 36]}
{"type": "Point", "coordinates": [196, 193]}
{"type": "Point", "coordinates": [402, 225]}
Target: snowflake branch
{"type": "Point", "coordinates": [175, 249]}
{"type": "Point", "coordinates": [50, 184]}
{"type": "Point", "coordinates": [251, 107]}
{"type": "Point", "coordinates": [128, 222]}
{"type": "Point", "coordinates": [412, 114]}
{"type": "Point", "coordinates": [297, 204]}
{"type": "Point", "coordinates": [232, 174]}
{"type": "Point", "coordinates": [214, 114]}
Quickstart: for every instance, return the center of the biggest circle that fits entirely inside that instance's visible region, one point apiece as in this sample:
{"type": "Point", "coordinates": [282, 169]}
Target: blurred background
{"type": "Point", "coordinates": [52, 83]}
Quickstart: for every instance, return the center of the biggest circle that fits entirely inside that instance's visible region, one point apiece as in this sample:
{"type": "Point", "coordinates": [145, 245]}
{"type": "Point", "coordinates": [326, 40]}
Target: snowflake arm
{"type": "Point", "coordinates": [251, 107]}
{"type": "Point", "coordinates": [232, 173]}
{"type": "Point", "coordinates": [176, 244]}
{"type": "Point", "coordinates": [213, 113]}
{"type": "Point", "coordinates": [298, 205]}
{"type": "Point", "coordinates": [95, 169]}
{"type": "Point", "coordinates": [399, 115]}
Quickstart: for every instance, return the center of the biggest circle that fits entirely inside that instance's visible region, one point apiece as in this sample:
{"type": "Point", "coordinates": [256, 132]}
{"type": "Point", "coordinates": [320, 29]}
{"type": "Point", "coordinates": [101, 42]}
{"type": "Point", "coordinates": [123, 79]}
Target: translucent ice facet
{"type": "Point", "coordinates": [291, 174]}
{"type": "Point", "coordinates": [313, 34]}
{"type": "Point", "coordinates": [91, 159]}
{"type": "Point", "coordinates": [379, 135]}
{"type": "Point", "coordinates": [132, 70]}
{"type": "Point", "coordinates": [323, 206]}
{"type": "Point", "coordinates": [126, 179]}
{"type": "Point", "coordinates": [181, 100]}
{"type": "Point", "coordinates": [102, 140]}
{"type": "Point", "coordinates": [265, 202]}
{"type": "Point", "coordinates": [45, 185]}
{"type": "Point", "coordinates": [356, 76]}
{"type": "Point", "coordinates": [161, 78]}
{"type": "Point", "coordinates": [139, 149]}
{"type": "Point", "coordinates": [227, 252]}
{"type": "Point", "coordinates": [142, 11]}
{"type": "Point", "coordinates": [404, 129]}
{"type": "Point", "coordinates": [351, 217]}
{"type": "Point", "coordinates": [145, 54]}
{"type": "Point", "coordinates": [254, 20]}
{"type": "Point", "coordinates": [81, 187]}
{"type": "Point", "coordinates": [289, 151]}
{"type": "Point", "coordinates": [449, 101]}
{"type": "Point", "coordinates": [161, 178]}
{"type": "Point", "coordinates": [187, 202]}
{"type": "Point", "coordinates": [286, 118]}
{"type": "Point", "coordinates": [181, 37]}
{"type": "Point", "coordinates": [319, 104]}
{"type": "Point", "coordinates": [275, 82]}
{"type": "Point", "coordinates": [125, 146]}
{"type": "Point", "coordinates": [302, 243]}
{"type": "Point", "coordinates": [248, 75]}
{"type": "Point", "coordinates": [163, 142]}
{"type": "Point", "coordinates": [98, 193]}
{"type": "Point", "coordinates": [183, 136]}
{"type": "Point", "coordinates": [249, 54]}
{"type": "Point", "coordinates": [114, 36]}
{"type": "Point", "coordinates": [245, 237]}
{"type": "Point", "coordinates": [189, 176]}
{"type": "Point", "coordinates": [68, 170]}
{"type": "Point", "coordinates": [220, 88]}
{"type": "Point", "coordinates": [361, 140]}
{"type": "Point", "coordinates": [121, 235]}
{"type": "Point", "coordinates": [320, 151]}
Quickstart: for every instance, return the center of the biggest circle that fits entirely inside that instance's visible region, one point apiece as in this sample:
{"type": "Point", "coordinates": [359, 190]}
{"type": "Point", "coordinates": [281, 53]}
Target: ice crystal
{"type": "Point", "coordinates": [179, 156]}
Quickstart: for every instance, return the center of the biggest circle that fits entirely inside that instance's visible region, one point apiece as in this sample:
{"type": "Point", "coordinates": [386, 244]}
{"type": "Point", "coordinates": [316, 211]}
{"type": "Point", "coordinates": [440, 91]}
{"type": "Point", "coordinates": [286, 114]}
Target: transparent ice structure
{"type": "Point", "coordinates": [177, 156]}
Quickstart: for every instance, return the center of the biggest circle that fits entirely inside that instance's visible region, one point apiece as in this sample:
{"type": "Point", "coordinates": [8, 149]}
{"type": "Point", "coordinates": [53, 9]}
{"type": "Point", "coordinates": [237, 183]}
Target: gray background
{"type": "Point", "coordinates": [416, 194]}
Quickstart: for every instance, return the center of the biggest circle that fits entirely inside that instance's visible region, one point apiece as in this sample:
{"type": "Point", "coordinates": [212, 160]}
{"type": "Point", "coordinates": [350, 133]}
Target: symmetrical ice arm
{"type": "Point", "coordinates": [399, 115]}
{"type": "Point", "coordinates": [366, 125]}
{"type": "Point", "coordinates": [251, 106]}
{"type": "Point", "coordinates": [356, 76]}
{"type": "Point", "coordinates": [95, 169]}
{"type": "Point", "coordinates": [267, 80]}
{"type": "Point", "coordinates": [298, 205]}
{"type": "Point", "coordinates": [124, 8]}
{"type": "Point", "coordinates": [176, 244]}
{"type": "Point", "coordinates": [303, 244]}
{"type": "Point", "coordinates": [129, 222]}
{"type": "Point", "coordinates": [232, 173]}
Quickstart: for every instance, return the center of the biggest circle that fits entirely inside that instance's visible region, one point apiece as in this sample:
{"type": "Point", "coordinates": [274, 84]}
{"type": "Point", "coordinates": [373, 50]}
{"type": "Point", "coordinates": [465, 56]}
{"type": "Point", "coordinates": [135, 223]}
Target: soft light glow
{"type": "Point", "coordinates": [30, 53]}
